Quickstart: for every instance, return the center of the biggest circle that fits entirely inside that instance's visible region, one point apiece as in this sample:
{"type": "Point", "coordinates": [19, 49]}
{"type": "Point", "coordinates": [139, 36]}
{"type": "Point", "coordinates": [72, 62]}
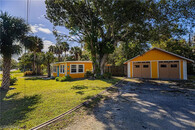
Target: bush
{"type": "Point", "coordinates": [16, 71]}
{"type": "Point", "coordinates": [68, 78]}
{"type": "Point", "coordinates": [28, 73]}
{"type": "Point", "coordinates": [88, 74]}
{"type": "Point", "coordinates": [57, 78]}
{"type": "Point", "coordinates": [98, 76]}
{"type": "Point", "coordinates": [13, 80]}
{"type": "Point", "coordinates": [63, 79]}
{"type": "Point", "coordinates": [107, 75]}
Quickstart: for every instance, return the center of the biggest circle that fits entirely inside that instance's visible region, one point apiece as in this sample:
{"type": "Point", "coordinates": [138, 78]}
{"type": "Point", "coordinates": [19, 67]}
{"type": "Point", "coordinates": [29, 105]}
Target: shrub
{"type": "Point", "coordinates": [57, 78]}
{"type": "Point", "coordinates": [13, 80]}
{"type": "Point", "coordinates": [16, 71]}
{"type": "Point", "coordinates": [63, 79]}
{"type": "Point", "coordinates": [107, 75]}
{"type": "Point", "coordinates": [88, 74]}
{"type": "Point", "coordinates": [68, 78]}
{"type": "Point", "coordinates": [28, 73]}
{"type": "Point", "coordinates": [98, 76]}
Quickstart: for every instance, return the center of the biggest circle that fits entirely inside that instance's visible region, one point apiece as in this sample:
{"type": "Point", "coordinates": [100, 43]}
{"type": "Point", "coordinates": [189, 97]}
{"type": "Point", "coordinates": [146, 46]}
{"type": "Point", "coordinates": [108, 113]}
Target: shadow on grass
{"type": "Point", "coordinates": [79, 87]}
{"type": "Point", "coordinates": [38, 78]}
{"type": "Point", "coordinates": [13, 110]}
{"type": "Point", "coordinates": [80, 92]}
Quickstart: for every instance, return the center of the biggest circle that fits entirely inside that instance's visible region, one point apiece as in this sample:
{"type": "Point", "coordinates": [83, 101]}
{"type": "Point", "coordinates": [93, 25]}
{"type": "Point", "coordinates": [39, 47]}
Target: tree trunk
{"type": "Point", "coordinates": [48, 69]}
{"type": "Point", "coordinates": [6, 72]}
{"type": "Point", "coordinates": [65, 54]}
{"type": "Point", "coordinates": [34, 63]}
{"type": "Point", "coordinates": [59, 58]}
{"type": "Point", "coordinates": [102, 63]}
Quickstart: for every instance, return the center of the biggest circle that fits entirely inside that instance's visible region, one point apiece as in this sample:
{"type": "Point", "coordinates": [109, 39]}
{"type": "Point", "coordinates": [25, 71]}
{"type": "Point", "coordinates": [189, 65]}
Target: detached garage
{"type": "Point", "coordinates": [158, 63]}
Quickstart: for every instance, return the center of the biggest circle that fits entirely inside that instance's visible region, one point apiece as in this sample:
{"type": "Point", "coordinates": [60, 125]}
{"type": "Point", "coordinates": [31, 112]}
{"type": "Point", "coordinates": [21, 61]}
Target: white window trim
{"type": "Point", "coordinates": [77, 68]}
{"type": "Point", "coordinates": [71, 68]}
{"type": "Point", "coordinates": [63, 68]}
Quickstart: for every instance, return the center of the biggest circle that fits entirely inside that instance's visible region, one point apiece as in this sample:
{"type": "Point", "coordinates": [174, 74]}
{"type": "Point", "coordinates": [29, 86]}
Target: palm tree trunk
{"type": "Point", "coordinates": [48, 69]}
{"type": "Point", "coordinates": [6, 72]}
{"type": "Point", "coordinates": [34, 64]}
{"type": "Point", "coordinates": [59, 58]}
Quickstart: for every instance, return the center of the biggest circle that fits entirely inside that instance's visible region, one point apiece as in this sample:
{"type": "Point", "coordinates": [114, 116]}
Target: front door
{"type": "Point", "coordinates": [58, 71]}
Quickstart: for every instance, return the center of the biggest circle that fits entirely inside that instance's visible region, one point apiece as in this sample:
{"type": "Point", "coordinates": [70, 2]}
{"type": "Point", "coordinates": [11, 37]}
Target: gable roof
{"type": "Point", "coordinates": [162, 51]}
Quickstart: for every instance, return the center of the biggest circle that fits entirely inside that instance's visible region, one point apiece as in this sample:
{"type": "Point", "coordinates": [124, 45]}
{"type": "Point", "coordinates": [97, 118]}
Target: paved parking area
{"type": "Point", "coordinates": [140, 104]}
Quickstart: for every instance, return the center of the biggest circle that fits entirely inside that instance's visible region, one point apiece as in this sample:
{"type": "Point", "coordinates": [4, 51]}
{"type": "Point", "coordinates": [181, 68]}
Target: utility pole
{"type": "Point", "coordinates": [27, 10]}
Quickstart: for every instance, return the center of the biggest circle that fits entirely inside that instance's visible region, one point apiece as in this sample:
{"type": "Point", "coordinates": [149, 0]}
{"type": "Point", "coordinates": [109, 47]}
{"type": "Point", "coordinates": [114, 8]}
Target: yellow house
{"type": "Point", "coordinates": [158, 63]}
{"type": "Point", "coordinates": [75, 69]}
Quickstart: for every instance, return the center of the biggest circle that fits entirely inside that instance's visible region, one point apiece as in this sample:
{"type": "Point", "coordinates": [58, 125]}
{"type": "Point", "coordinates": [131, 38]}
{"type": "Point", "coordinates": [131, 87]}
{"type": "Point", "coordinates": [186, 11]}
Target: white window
{"type": "Point", "coordinates": [62, 69]}
{"type": "Point", "coordinates": [80, 68]}
{"type": "Point", "coordinates": [54, 69]}
{"type": "Point", "coordinates": [73, 68]}
{"type": "Point", "coordinates": [77, 69]}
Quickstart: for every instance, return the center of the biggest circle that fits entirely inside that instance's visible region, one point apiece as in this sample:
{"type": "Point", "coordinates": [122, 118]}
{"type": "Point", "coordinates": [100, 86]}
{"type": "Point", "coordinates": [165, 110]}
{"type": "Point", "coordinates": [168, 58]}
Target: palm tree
{"type": "Point", "coordinates": [64, 47]}
{"type": "Point", "coordinates": [48, 59]}
{"type": "Point", "coordinates": [12, 30]}
{"type": "Point", "coordinates": [34, 44]}
{"type": "Point", "coordinates": [76, 51]}
{"type": "Point", "coordinates": [58, 51]}
{"type": "Point", "coordinates": [52, 48]}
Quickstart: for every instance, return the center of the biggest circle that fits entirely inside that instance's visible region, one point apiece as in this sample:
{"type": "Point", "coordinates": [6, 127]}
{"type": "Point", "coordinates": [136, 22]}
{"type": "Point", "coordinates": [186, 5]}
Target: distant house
{"type": "Point", "coordinates": [75, 69]}
{"type": "Point", "coordinates": [158, 63]}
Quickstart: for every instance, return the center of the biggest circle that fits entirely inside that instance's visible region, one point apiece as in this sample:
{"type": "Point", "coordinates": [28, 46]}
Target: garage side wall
{"type": "Point", "coordinates": [181, 69]}
{"type": "Point", "coordinates": [185, 70]}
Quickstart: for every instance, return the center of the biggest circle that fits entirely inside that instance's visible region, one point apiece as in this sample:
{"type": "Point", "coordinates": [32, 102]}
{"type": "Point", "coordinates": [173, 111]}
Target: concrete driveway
{"type": "Point", "coordinates": [142, 104]}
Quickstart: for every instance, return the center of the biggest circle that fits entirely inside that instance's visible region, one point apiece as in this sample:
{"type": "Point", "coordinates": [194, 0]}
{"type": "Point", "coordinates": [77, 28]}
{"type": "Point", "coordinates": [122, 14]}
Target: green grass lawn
{"type": "Point", "coordinates": [34, 101]}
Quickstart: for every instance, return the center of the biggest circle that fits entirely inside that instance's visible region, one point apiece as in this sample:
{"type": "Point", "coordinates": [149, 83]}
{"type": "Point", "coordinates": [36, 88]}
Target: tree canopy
{"type": "Point", "coordinates": [101, 25]}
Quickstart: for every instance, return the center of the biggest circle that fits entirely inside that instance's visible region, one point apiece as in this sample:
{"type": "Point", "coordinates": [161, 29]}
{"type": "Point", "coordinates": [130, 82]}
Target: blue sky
{"type": "Point", "coordinates": [40, 26]}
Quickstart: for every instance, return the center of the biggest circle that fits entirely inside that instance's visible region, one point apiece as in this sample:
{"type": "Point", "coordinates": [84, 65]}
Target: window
{"type": "Point", "coordinates": [163, 66]}
{"type": "Point", "coordinates": [173, 65]}
{"type": "Point", "coordinates": [54, 69]}
{"type": "Point", "coordinates": [77, 68]}
{"type": "Point", "coordinates": [73, 68]}
{"type": "Point", "coordinates": [145, 66]}
{"type": "Point", "coordinates": [62, 68]}
{"type": "Point", "coordinates": [80, 69]}
{"type": "Point", "coordinates": [136, 66]}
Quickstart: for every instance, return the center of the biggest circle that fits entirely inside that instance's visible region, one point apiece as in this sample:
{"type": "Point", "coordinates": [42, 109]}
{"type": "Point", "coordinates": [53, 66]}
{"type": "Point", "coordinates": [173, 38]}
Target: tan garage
{"type": "Point", "coordinates": [158, 63]}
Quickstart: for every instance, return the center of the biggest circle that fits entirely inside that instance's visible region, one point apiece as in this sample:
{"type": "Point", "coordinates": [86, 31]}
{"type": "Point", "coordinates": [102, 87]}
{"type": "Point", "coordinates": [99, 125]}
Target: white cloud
{"type": "Point", "coordinates": [41, 16]}
{"type": "Point", "coordinates": [33, 28]}
{"type": "Point", "coordinates": [47, 43]}
{"type": "Point", "coordinates": [44, 30]}
{"type": "Point", "coordinates": [36, 28]}
{"type": "Point", "coordinates": [41, 25]}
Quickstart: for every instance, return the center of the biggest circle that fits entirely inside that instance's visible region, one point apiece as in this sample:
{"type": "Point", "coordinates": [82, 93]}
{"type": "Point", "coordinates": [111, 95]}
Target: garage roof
{"type": "Point", "coordinates": [165, 52]}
